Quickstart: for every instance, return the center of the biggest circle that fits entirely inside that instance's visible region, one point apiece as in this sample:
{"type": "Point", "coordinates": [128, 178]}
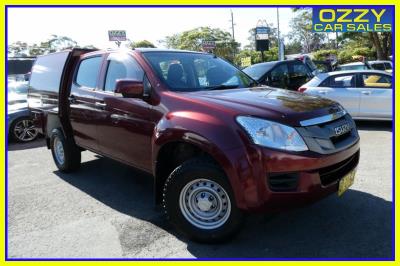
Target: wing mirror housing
{"type": "Point", "coordinates": [130, 88]}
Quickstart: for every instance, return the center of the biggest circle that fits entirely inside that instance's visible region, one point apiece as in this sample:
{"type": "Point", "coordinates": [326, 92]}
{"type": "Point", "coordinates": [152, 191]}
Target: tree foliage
{"type": "Point", "coordinates": [53, 44]}
{"type": "Point", "coordinates": [142, 44]}
{"type": "Point", "coordinates": [271, 55]}
{"type": "Point", "coordinates": [302, 33]}
{"type": "Point", "coordinates": [192, 40]}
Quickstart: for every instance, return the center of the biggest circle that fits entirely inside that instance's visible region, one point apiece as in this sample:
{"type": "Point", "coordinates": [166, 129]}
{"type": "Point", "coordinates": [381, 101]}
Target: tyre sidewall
{"type": "Point", "coordinates": [57, 134]}
{"type": "Point", "coordinates": [182, 176]}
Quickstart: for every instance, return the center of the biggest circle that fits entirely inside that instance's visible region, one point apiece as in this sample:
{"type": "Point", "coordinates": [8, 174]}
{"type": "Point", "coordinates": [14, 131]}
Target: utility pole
{"type": "Point", "coordinates": [279, 37]}
{"type": "Point", "coordinates": [233, 34]}
{"type": "Point", "coordinates": [233, 26]}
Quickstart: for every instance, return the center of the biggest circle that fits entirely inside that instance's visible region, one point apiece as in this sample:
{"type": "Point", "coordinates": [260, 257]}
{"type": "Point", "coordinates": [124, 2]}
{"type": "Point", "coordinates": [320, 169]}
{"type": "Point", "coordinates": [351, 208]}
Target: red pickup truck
{"type": "Point", "coordinates": [217, 144]}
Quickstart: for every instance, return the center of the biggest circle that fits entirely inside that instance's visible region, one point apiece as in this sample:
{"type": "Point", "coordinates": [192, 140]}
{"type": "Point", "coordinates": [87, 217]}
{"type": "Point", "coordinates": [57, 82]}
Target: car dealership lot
{"type": "Point", "coordinates": [106, 210]}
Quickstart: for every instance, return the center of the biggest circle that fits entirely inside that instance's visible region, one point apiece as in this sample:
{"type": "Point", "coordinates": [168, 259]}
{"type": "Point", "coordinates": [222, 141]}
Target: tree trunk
{"type": "Point", "coordinates": [377, 44]}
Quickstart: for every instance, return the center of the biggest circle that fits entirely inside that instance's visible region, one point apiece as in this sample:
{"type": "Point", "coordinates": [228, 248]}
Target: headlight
{"type": "Point", "coordinates": [272, 135]}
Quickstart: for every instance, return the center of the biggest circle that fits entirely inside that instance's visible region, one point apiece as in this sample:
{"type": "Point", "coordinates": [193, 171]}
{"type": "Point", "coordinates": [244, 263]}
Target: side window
{"type": "Point", "coordinates": [377, 81]}
{"type": "Point", "coordinates": [299, 70]}
{"type": "Point", "coordinates": [346, 81]}
{"type": "Point", "coordinates": [278, 77]}
{"type": "Point", "coordinates": [388, 66]}
{"type": "Point", "coordinates": [378, 66]}
{"type": "Point", "coordinates": [126, 68]}
{"type": "Point", "coordinates": [88, 72]}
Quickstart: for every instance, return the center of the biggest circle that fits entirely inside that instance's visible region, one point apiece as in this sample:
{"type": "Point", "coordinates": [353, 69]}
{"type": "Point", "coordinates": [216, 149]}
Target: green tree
{"type": "Point", "coordinates": [57, 43]}
{"type": "Point", "coordinates": [192, 40]}
{"type": "Point", "coordinates": [271, 55]}
{"type": "Point", "coordinates": [142, 44]}
{"type": "Point", "coordinates": [293, 47]}
{"type": "Point", "coordinates": [302, 32]}
{"type": "Point", "coordinates": [18, 49]}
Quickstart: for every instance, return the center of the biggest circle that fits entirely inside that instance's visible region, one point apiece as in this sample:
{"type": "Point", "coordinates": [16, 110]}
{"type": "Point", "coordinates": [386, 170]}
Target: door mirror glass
{"type": "Point", "coordinates": [129, 88]}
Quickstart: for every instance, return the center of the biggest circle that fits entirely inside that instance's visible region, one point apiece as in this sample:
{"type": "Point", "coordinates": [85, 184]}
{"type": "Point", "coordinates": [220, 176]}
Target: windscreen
{"type": "Point", "coordinates": [185, 71]}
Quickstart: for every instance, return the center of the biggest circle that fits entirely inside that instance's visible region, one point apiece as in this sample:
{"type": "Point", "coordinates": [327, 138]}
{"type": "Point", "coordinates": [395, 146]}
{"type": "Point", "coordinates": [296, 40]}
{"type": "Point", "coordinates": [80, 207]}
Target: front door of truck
{"type": "Point", "coordinates": [83, 110]}
{"type": "Point", "coordinates": [126, 126]}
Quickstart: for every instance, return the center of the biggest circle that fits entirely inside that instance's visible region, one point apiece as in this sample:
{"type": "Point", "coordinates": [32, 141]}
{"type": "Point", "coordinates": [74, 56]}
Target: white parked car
{"type": "Point", "coordinates": [365, 94]}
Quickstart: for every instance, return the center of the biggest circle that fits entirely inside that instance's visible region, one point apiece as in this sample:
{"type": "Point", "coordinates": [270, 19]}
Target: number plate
{"type": "Point", "coordinates": [346, 181]}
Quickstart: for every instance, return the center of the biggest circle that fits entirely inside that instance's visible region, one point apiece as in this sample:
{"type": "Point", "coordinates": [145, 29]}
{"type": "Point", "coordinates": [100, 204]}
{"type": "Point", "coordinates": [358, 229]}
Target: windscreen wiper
{"type": "Point", "coordinates": [222, 87]}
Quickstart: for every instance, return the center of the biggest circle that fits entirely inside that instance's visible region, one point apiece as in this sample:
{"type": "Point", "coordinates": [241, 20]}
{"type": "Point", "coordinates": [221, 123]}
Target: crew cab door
{"type": "Point", "coordinates": [126, 125]}
{"type": "Point", "coordinates": [83, 112]}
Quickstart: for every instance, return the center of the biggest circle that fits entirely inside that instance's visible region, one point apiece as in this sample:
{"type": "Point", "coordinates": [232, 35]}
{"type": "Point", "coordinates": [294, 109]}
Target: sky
{"type": "Point", "coordinates": [91, 25]}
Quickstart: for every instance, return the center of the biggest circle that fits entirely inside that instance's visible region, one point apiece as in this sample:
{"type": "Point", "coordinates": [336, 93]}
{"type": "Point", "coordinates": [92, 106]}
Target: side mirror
{"type": "Point", "coordinates": [130, 88]}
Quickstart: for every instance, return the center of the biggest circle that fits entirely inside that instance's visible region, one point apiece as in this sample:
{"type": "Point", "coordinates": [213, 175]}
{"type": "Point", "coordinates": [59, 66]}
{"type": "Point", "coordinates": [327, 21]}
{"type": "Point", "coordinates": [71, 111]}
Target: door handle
{"type": "Point", "coordinates": [100, 104]}
{"type": "Point", "coordinates": [322, 92]}
{"type": "Point", "coordinates": [366, 92]}
{"type": "Point", "coordinates": [72, 99]}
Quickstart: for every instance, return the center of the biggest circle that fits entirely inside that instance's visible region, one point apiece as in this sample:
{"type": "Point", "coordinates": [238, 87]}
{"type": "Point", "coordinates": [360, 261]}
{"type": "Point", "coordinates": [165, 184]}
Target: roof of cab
{"type": "Point", "coordinates": [147, 50]}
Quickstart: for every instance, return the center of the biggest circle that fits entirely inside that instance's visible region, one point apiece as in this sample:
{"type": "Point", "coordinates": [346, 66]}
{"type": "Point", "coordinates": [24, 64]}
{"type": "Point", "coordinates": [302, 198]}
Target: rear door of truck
{"type": "Point", "coordinates": [49, 88]}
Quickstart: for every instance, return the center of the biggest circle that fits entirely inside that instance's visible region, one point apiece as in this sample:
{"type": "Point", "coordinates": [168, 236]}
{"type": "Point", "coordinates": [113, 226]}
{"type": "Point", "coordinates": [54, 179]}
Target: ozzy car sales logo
{"type": "Point", "coordinates": [352, 19]}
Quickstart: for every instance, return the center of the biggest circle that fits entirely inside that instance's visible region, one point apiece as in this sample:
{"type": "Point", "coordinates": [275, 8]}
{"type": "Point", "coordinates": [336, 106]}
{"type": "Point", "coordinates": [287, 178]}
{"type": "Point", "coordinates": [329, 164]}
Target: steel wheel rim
{"type": "Point", "coordinates": [59, 151]}
{"type": "Point", "coordinates": [25, 130]}
{"type": "Point", "coordinates": [205, 204]}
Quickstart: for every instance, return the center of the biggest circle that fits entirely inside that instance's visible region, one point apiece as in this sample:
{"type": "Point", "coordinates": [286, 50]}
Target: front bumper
{"type": "Point", "coordinates": [272, 180]}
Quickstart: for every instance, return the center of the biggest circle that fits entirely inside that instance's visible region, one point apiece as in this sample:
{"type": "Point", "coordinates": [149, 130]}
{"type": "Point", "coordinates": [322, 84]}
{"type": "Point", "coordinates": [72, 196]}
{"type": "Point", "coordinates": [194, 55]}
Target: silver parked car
{"type": "Point", "coordinates": [365, 94]}
{"type": "Point", "coordinates": [20, 123]}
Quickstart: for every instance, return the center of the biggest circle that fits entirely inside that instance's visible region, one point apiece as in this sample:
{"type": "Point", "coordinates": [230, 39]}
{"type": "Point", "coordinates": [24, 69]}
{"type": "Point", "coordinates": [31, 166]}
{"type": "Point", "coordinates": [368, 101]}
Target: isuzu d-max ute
{"type": "Point", "coordinates": [217, 144]}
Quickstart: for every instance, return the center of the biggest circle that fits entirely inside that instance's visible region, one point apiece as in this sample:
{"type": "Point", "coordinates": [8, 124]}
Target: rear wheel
{"type": "Point", "coordinates": [199, 202]}
{"type": "Point", "coordinates": [66, 154]}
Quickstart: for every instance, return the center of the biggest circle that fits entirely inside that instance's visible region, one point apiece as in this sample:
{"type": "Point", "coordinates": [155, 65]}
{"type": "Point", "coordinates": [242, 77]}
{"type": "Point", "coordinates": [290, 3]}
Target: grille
{"type": "Point", "coordinates": [334, 173]}
{"type": "Point", "coordinates": [321, 138]}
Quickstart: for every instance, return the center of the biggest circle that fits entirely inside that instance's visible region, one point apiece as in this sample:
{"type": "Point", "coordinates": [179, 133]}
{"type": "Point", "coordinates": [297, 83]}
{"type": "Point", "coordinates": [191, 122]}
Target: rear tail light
{"type": "Point", "coordinates": [302, 89]}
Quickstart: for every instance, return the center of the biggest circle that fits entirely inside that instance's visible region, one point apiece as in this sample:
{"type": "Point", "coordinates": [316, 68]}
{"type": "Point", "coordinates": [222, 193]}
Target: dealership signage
{"type": "Point", "coordinates": [352, 19]}
{"type": "Point", "coordinates": [208, 45]}
{"type": "Point", "coordinates": [262, 33]}
{"type": "Point", "coordinates": [262, 38]}
{"type": "Point", "coordinates": [117, 35]}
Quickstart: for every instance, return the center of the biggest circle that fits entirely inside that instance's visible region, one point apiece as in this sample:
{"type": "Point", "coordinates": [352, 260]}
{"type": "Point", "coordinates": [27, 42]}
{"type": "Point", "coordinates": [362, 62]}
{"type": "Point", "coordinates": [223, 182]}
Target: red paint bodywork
{"type": "Point", "coordinates": [134, 130]}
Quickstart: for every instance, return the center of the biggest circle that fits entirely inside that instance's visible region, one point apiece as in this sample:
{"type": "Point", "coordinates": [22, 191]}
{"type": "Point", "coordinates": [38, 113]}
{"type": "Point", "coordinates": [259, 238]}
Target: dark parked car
{"type": "Point", "coordinates": [20, 123]}
{"type": "Point", "coordinates": [217, 145]}
{"type": "Point", "coordinates": [353, 66]}
{"type": "Point", "coordinates": [288, 74]}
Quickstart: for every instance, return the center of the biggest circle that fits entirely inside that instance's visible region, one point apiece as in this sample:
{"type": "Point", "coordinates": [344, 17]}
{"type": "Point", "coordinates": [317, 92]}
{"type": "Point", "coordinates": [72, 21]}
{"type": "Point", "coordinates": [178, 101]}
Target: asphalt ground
{"type": "Point", "coordinates": [106, 210]}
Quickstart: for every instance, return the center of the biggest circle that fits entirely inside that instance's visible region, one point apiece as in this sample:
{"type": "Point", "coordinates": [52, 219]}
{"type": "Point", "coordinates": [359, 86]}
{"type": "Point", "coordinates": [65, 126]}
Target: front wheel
{"type": "Point", "coordinates": [66, 154]}
{"type": "Point", "coordinates": [199, 202]}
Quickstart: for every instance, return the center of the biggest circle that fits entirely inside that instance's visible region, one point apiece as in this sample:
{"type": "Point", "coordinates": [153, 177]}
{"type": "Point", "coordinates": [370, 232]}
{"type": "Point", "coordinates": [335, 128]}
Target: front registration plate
{"type": "Point", "coordinates": [346, 182]}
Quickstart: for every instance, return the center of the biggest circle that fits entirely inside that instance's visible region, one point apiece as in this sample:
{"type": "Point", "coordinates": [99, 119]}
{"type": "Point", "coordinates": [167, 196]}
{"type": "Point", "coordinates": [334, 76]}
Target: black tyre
{"type": "Point", "coordinates": [66, 154]}
{"type": "Point", "coordinates": [199, 202]}
{"type": "Point", "coordinates": [23, 130]}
